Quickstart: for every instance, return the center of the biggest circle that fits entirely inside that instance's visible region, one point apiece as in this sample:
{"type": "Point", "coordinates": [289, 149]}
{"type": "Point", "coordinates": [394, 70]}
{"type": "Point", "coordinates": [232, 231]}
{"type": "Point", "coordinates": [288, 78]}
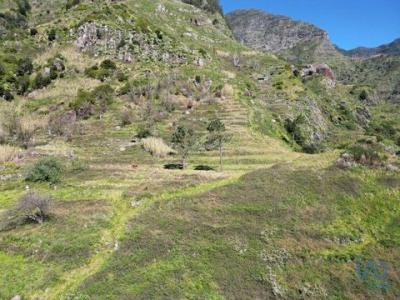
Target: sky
{"type": "Point", "coordinates": [349, 23]}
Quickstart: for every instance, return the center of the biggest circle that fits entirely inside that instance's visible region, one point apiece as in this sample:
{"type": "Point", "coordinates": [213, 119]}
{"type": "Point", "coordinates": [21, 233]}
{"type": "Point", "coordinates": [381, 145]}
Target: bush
{"type": "Point", "coordinates": [52, 35]}
{"type": "Point", "coordinates": [33, 31]}
{"type": "Point", "coordinates": [41, 81]}
{"type": "Point", "coordinates": [370, 154]}
{"type": "Point", "coordinates": [363, 95]}
{"type": "Point", "coordinates": [203, 168]}
{"type": "Point", "coordinates": [108, 64]}
{"type": "Point", "coordinates": [127, 117]}
{"type": "Point", "coordinates": [156, 147]}
{"type": "Point", "coordinates": [144, 131]}
{"type": "Point", "coordinates": [24, 66]}
{"type": "Point", "coordinates": [23, 84]}
{"type": "Point", "coordinates": [31, 207]}
{"type": "Point", "coordinates": [72, 3]}
{"type": "Point", "coordinates": [48, 169]}
{"type": "Point", "coordinates": [87, 103]}
{"type": "Point", "coordinates": [23, 7]}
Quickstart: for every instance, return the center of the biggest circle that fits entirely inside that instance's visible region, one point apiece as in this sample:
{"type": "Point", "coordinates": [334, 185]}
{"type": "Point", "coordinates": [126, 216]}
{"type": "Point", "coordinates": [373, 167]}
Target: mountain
{"type": "Point", "coordinates": [392, 48]}
{"type": "Point", "coordinates": [295, 40]}
{"type": "Point", "coordinates": [145, 153]}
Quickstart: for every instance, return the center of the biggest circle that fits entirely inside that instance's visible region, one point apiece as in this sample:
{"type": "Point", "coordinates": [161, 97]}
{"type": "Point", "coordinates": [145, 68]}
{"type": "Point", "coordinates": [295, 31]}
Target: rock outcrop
{"type": "Point", "coordinates": [125, 45]}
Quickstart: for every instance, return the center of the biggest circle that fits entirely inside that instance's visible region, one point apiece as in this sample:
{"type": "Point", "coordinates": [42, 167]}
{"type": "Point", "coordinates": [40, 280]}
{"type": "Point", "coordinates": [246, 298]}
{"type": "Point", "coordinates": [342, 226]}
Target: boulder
{"type": "Point", "coordinates": [317, 69]}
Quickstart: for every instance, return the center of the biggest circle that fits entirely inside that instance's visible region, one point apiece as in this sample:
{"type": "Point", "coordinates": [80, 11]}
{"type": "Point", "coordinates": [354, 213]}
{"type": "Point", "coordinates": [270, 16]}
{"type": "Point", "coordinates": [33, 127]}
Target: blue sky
{"type": "Point", "coordinates": [350, 23]}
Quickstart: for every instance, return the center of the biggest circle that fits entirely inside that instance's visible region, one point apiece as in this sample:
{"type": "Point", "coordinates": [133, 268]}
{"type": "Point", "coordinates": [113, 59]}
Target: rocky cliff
{"type": "Point", "coordinates": [295, 40]}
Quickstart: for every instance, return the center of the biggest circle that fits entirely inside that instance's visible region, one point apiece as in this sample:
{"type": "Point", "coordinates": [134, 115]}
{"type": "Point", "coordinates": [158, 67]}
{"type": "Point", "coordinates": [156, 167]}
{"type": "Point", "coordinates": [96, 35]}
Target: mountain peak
{"type": "Point", "coordinates": [297, 40]}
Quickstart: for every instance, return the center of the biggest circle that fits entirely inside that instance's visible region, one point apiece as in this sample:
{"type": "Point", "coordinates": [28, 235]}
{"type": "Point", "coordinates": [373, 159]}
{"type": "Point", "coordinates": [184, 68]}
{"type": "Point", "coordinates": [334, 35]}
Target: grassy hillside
{"type": "Point", "coordinates": [82, 87]}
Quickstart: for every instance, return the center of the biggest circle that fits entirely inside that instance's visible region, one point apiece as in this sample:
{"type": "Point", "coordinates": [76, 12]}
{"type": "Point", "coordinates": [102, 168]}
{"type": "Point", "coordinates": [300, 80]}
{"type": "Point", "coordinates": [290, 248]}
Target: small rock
{"type": "Point", "coordinates": [17, 297]}
{"type": "Point", "coordinates": [391, 167]}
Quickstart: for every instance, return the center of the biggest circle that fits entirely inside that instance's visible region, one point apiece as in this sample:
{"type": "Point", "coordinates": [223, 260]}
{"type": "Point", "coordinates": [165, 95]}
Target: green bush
{"type": "Point", "coordinates": [87, 103]}
{"type": "Point", "coordinates": [23, 84]}
{"type": "Point", "coordinates": [24, 67]}
{"type": "Point", "coordinates": [52, 35]}
{"type": "Point", "coordinates": [48, 169]}
{"type": "Point", "coordinates": [72, 3]}
{"type": "Point", "coordinates": [371, 154]}
{"type": "Point", "coordinates": [363, 95]}
{"type": "Point", "coordinates": [108, 64]}
{"type": "Point", "coordinates": [106, 70]}
{"type": "Point", "coordinates": [41, 81]}
{"type": "Point", "coordinates": [23, 7]}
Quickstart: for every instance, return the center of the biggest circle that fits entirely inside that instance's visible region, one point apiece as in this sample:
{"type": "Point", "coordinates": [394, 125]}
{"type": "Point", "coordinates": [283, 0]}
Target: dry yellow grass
{"type": "Point", "coordinates": [156, 147]}
{"type": "Point", "coordinates": [72, 56]}
{"type": "Point", "coordinates": [65, 89]}
{"type": "Point", "coordinates": [227, 91]}
{"type": "Point", "coordinates": [7, 153]}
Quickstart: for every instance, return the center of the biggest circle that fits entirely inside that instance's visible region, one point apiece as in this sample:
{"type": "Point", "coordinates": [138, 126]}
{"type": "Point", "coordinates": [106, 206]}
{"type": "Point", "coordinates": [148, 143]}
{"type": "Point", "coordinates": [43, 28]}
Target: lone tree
{"type": "Point", "coordinates": [217, 137]}
{"type": "Point", "coordinates": [184, 142]}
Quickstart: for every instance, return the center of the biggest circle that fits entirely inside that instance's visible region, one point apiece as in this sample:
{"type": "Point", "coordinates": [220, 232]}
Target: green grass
{"type": "Point", "coordinates": [308, 235]}
{"type": "Point", "coordinates": [275, 223]}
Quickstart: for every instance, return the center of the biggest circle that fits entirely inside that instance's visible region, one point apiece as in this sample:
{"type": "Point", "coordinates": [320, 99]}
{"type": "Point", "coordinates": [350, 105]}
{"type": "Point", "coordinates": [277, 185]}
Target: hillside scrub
{"type": "Point", "coordinates": [30, 207]}
{"type": "Point", "coordinates": [90, 103]}
{"type": "Point", "coordinates": [48, 169]}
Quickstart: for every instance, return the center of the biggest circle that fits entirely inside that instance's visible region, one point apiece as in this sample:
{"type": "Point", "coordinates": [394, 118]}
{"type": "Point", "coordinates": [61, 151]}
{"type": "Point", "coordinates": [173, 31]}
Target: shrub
{"type": "Point", "coordinates": [23, 84]}
{"type": "Point", "coordinates": [156, 147]}
{"type": "Point", "coordinates": [363, 95]}
{"type": "Point", "coordinates": [41, 81]}
{"type": "Point", "coordinates": [23, 7]}
{"type": "Point", "coordinates": [144, 131]}
{"type": "Point", "coordinates": [48, 169]}
{"type": "Point", "coordinates": [33, 31]}
{"type": "Point", "coordinates": [108, 64]}
{"type": "Point", "coordinates": [370, 154]}
{"type": "Point", "coordinates": [203, 168]}
{"type": "Point", "coordinates": [71, 3]}
{"type": "Point", "coordinates": [52, 35]}
{"type": "Point", "coordinates": [62, 123]}
{"type": "Point", "coordinates": [24, 66]}
{"type": "Point", "coordinates": [87, 103]}
{"type": "Point", "coordinates": [127, 117]}
{"type": "Point", "coordinates": [31, 207]}
{"type": "Point", "coordinates": [7, 153]}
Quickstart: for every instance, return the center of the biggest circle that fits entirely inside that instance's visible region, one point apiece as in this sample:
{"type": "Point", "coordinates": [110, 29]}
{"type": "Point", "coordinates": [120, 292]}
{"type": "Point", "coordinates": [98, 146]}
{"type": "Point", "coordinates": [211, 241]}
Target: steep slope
{"type": "Point", "coordinates": [296, 40]}
{"type": "Point", "coordinates": [91, 80]}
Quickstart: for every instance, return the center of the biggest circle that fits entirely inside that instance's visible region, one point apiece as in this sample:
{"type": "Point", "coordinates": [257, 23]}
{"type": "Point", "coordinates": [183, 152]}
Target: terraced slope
{"type": "Point", "coordinates": [274, 223]}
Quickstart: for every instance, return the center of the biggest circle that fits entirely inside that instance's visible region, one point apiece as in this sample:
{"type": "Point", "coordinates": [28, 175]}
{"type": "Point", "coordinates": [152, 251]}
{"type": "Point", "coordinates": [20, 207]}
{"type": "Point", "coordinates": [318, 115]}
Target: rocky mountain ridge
{"type": "Point", "coordinates": [295, 40]}
{"type": "Point", "coordinates": [392, 49]}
